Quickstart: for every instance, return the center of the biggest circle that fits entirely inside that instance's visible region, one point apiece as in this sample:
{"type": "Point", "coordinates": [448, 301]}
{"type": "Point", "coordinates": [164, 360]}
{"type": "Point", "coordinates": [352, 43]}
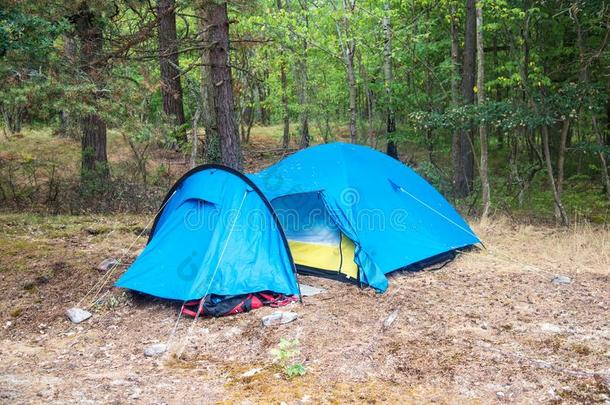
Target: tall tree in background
{"type": "Point", "coordinates": [388, 79]}
{"type": "Point", "coordinates": [485, 189]}
{"type": "Point", "coordinates": [285, 108]}
{"type": "Point", "coordinates": [220, 83]}
{"type": "Point", "coordinates": [88, 25]}
{"type": "Point", "coordinates": [171, 89]}
{"type": "Point", "coordinates": [348, 49]}
{"type": "Point", "coordinates": [211, 149]}
{"type": "Point", "coordinates": [463, 159]}
{"type": "Point", "coordinates": [455, 79]}
{"type": "Point", "coordinates": [303, 82]}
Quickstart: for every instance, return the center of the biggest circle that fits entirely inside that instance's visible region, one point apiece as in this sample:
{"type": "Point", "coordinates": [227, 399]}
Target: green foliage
{"type": "Point", "coordinates": [546, 64]}
{"type": "Point", "coordinates": [286, 356]}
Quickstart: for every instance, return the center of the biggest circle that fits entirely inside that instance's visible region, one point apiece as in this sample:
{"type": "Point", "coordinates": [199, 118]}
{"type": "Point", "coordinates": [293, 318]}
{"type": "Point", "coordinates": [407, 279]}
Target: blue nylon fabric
{"type": "Point", "coordinates": [214, 236]}
{"type": "Point", "coordinates": [394, 216]}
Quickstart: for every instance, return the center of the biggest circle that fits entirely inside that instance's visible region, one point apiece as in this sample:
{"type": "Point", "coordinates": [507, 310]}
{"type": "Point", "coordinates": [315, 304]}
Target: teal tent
{"type": "Point", "coordinates": [215, 234]}
{"type": "Point", "coordinates": [354, 213]}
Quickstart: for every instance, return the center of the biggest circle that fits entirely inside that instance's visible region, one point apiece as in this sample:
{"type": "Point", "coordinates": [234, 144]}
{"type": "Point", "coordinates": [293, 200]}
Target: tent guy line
{"type": "Point", "coordinates": [436, 212]}
{"type": "Point", "coordinates": [207, 290]}
{"type": "Point", "coordinates": [105, 277]}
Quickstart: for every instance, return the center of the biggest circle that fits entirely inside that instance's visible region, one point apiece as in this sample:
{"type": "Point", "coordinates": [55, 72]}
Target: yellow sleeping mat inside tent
{"type": "Point", "coordinates": [327, 257]}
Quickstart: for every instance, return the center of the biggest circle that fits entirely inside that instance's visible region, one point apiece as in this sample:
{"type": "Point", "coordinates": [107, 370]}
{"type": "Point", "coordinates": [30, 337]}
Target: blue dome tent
{"type": "Point", "coordinates": [216, 234]}
{"type": "Point", "coordinates": [338, 210]}
{"type": "Point", "coordinates": [354, 213]}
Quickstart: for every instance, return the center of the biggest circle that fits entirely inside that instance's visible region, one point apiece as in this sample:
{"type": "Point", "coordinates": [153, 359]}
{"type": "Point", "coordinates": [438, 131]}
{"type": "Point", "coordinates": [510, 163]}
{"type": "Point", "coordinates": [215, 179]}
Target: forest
{"type": "Point", "coordinates": [503, 106]}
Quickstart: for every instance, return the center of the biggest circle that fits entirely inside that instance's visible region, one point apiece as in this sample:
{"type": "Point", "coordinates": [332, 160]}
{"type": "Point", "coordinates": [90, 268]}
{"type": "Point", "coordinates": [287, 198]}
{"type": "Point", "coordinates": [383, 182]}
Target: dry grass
{"type": "Point", "coordinates": [488, 327]}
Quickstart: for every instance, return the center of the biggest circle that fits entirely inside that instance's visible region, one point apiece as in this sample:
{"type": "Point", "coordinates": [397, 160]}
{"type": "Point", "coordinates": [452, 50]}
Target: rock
{"type": "Point", "coordinates": [390, 319]}
{"type": "Point", "coordinates": [500, 394]}
{"type": "Point", "coordinates": [309, 291]}
{"type": "Point", "coordinates": [251, 373]}
{"type": "Point", "coordinates": [78, 315]}
{"type": "Point", "coordinates": [279, 317]}
{"type": "Point", "coordinates": [233, 331]}
{"type": "Point", "coordinates": [108, 264]}
{"type": "Point", "coordinates": [549, 327]}
{"type": "Point", "coordinates": [561, 280]}
{"type": "Point", "coordinates": [136, 393]}
{"type": "Point", "coordinates": [155, 350]}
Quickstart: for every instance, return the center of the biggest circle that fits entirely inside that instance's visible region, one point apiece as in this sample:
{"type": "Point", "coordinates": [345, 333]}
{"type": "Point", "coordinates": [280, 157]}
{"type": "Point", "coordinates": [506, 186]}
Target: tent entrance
{"type": "Point", "coordinates": [316, 243]}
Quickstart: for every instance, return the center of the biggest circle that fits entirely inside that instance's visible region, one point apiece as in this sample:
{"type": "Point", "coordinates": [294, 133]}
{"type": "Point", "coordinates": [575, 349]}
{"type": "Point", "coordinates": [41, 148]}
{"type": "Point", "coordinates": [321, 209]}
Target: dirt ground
{"type": "Point", "coordinates": [489, 327]}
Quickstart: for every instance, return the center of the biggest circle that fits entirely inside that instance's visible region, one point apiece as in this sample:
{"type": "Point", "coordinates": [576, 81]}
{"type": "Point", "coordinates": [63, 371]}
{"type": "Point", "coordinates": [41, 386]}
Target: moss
{"type": "Point", "coordinates": [15, 313]}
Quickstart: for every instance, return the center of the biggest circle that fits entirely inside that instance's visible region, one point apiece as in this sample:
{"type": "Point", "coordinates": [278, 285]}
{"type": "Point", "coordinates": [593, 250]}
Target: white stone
{"type": "Point", "coordinates": [549, 327]}
{"type": "Point", "coordinates": [155, 350]}
{"type": "Point", "coordinates": [561, 280]}
{"type": "Point", "coordinates": [251, 373]}
{"type": "Point", "coordinates": [308, 290]}
{"type": "Point", "coordinates": [78, 315]}
{"type": "Point", "coordinates": [107, 264]}
{"type": "Point", "coordinates": [279, 317]}
{"type": "Point", "coordinates": [390, 319]}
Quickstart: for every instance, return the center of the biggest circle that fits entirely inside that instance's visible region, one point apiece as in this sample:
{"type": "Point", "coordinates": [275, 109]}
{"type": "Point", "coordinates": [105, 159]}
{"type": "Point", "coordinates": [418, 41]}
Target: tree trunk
{"type": "Point", "coordinates": [348, 49]}
{"type": "Point", "coordinates": [391, 148]}
{"type": "Point", "coordinates": [67, 129]}
{"type": "Point", "coordinates": [608, 120]}
{"type": "Point", "coordinates": [262, 98]}
{"type": "Point", "coordinates": [286, 112]}
{"type": "Point", "coordinates": [195, 138]}
{"type": "Point", "coordinates": [220, 75]}
{"type": "Point", "coordinates": [93, 148]}
{"type": "Point", "coordinates": [369, 103]}
{"type": "Point", "coordinates": [93, 142]}
{"type": "Point", "coordinates": [561, 212]}
{"type": "Point", "coordinates": [485, 188]}
{"type": "Point", "coordinates": [602, 156]}
{"type": "Point", "coordinates": [351, 80]}
{"type": "Point", "coordinates": [171, 89]}
{"type": "Point", "coordinates": [565, 129]}
{"type": "Point", "coordinates": [463, 170]}
{"type": "Point", "coordinates": [211, 145]}
{"type": "Point", "coordinates": [455, 84]}
{"type": "Point", "coordinates": [302, 87]}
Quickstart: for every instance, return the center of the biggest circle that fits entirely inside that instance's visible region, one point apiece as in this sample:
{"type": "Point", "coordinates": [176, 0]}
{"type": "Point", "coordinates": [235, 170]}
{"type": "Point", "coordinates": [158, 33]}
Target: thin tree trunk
{"type": "Point", "coordinates": [221, 82]}
{"type": "Point", "coordinates": [602, 156]}
{"type": "Point", "coordinates": [391, 148]}
{"type": "Point", "coordinates": [93, 142]}
{"type": "Point", "coordinates": [608, 121]}
{"type": "Point", "coordinates": [67, 128]}
{"type": "Point", "coordinates": [348, 49]}
{"type": "Point", "coordinates": [351, 80]}
{"type": "Point", "coordinates": [563, 217]}
{"type": "Point", "coordinates": [262, 97]}
{"type": "Point", "coordinates": [463, 170]}
{"type": "Point", "coordinates": [195, 138]}
{"type": "Point", "coordinates": [565, 129]}
{"type": "Point", "coordinates": [303, 100]}
{"type": "Point", "coordinates": [369, 102]}
{"type": "Point", "coordinates": [171, 89]}
{"type": "Point", "coordinates": [285, 106]}
{"type": "Point", "coordinates": [303, 83]}
{"type": "Point", "coordinates": [483, 167]}
{"type": "Point", "coordinates": [286, 112]}
{"type": "Point", "coordinates": [455, 85]}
